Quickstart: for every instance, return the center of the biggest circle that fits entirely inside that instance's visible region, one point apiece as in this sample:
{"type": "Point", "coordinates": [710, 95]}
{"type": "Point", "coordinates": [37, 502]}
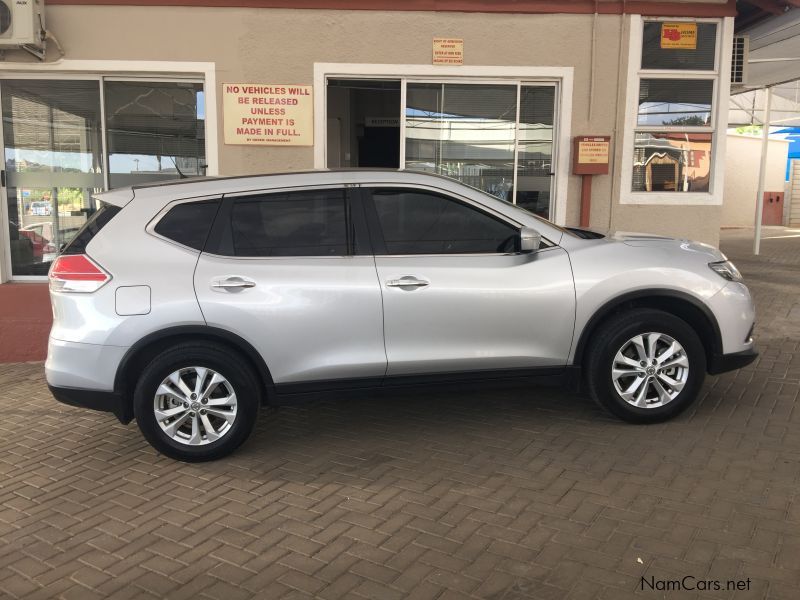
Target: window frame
{"type": "Point", "coordinates": [358, 241]}
{"type": "Point", "coordinates": [720, 76]}
{"type": "Point", "coordinates": [376, 231]}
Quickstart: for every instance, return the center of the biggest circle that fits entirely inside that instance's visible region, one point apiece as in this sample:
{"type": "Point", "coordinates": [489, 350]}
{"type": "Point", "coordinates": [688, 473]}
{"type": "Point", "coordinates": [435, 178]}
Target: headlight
{"type": "Point", "coordinates": [726, 269]}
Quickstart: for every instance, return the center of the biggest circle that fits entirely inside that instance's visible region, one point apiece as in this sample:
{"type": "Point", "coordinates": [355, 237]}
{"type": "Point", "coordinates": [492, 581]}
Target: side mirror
{"type": "Point", "coordinates": [529, 240]}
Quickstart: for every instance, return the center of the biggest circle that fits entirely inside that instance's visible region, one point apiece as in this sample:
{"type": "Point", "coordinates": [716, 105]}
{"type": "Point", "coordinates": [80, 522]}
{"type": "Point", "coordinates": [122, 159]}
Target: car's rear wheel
{"type": "Point", "coordinates": [645, 365]}
{"type": "Point", "coordinates": [196, 402]}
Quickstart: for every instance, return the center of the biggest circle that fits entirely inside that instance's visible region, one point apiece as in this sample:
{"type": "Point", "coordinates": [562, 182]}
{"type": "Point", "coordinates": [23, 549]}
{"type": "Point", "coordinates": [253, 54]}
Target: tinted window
{"type": "Point", "coordinates": [308, 223]}
{"type": "Point", "coordinates": [417, 222]}
{"type": "Point", "coordinates": [189, 223]}
{"type": "Point", "coordinates": [91, 228]}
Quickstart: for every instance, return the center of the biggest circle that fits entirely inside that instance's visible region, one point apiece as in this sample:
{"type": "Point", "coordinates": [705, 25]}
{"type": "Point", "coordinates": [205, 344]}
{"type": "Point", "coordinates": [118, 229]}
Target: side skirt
{"type": "Point", "coordinates": [288, 394]}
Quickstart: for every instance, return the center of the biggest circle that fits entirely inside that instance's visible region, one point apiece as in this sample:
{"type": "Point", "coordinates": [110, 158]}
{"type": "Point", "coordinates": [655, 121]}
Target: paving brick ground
{"type": "Point", "coordinates": [504, 494]}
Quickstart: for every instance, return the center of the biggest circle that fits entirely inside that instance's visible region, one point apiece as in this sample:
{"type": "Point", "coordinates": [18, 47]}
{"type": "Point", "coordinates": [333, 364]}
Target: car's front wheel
{"type": "Point", "coordinates": [645, 365]}
{"type": "Point", "coordinates": [196, 402]}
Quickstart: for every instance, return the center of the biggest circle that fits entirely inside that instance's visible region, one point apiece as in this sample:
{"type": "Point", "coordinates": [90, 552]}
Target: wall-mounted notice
{"type": "Point", "coordinates": [268, 114]}
{"type": "Point", "coordinates": [448, 51]}
{"type": "Point", "coordinates": [679, 36]}
{"type": "Point", "coordinates": [590, 154]}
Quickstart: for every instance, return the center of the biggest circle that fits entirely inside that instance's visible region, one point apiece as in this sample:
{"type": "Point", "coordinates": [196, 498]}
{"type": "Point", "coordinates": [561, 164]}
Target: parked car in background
{"type": "Point", "coordinates": [41, 208]}
{"type": "Point", "coordinates": [42, 246]}
{"type": "Point", "coordinates": [188, 306]}
{"type": "Point", "coordinates": [43, 229]}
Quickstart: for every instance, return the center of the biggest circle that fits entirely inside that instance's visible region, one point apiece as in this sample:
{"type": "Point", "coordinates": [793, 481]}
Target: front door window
{"type": "Point", "coordinates": [420, 222]}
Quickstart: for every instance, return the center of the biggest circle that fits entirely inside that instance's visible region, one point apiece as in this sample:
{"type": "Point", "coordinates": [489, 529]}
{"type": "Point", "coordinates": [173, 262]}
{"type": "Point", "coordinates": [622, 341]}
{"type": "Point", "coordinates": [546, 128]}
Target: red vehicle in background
{"type": "Point", "coordinates": [42, 246]}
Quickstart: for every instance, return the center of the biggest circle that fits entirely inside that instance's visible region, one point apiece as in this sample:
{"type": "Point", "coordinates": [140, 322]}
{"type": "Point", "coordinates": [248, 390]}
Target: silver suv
{"type": "Point", "coordinates": [189, 305]}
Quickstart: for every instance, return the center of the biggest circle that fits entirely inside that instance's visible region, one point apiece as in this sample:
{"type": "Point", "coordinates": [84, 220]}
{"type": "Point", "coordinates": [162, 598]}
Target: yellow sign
{"type": "Point", "coordinates": [447, 51]}
{"type": "Point", "coordinates": [679, 36]}
{"type": "Point", "coordinates": [593, 151]}
{"type": "Point", "coordinates": [268, 114]}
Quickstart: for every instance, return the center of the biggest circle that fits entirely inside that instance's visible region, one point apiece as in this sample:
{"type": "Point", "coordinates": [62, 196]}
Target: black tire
{"type": "Point", "coordinates": [613, 334]}
{"type": "Point", "coordinates": [198, 354]}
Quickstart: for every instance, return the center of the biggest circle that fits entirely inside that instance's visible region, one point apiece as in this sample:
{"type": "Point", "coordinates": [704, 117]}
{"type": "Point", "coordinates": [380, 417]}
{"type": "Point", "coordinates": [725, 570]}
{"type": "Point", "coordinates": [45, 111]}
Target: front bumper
{"type": "Point", "coordinates": [720, 363]}
{"type": "Point", "coordinates": [95, 400]}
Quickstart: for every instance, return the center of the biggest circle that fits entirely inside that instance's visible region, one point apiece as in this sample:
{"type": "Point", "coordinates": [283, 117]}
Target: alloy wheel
{"type": "Point", "coordinates": [195, 406]}
{"type": "Point", "coordinates": [650, 370]}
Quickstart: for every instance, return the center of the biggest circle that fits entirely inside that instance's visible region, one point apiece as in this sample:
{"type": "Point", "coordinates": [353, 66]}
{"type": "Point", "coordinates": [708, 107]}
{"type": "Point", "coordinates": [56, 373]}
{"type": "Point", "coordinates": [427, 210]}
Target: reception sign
{"type": "Point", "coordinates": [268, 114]}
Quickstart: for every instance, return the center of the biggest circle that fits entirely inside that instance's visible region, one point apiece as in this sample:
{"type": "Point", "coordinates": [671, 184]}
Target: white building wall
{"type": "Point", "coordinates": [742, 159]}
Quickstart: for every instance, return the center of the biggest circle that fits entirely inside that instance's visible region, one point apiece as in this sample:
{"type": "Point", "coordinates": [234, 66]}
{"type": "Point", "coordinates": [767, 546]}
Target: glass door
{"type": "Point", "coordinates": [53, 161]}
{"type": "Point", "coordinates": [535, 167]}
{"type": "Point", "coordinates": [463, 131]}
{"type": "Point", "coordinates": [497, 137]}
{"type": "Point", "coordinates": [66, 139]}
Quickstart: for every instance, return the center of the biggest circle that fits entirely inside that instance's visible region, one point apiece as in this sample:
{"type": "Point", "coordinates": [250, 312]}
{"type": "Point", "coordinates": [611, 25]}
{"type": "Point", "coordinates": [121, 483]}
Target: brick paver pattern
{"type": "Point", "coordinates": [485, 493]}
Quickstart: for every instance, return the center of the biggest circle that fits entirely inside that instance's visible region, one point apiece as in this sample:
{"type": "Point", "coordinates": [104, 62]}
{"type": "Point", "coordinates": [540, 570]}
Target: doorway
{"type": "Point", "coordinates": [363, 123]}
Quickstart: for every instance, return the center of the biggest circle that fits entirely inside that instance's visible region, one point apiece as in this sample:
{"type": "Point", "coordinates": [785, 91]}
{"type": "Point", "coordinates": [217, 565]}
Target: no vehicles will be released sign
{"type": "Point", "coordinates": [268, 114]}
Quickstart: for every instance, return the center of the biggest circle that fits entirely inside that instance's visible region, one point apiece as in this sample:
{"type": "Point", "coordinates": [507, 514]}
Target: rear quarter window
{"type": "Point", "coordinates": [188, 223]}
{"type": "Point", "coordinates": [91, 228]}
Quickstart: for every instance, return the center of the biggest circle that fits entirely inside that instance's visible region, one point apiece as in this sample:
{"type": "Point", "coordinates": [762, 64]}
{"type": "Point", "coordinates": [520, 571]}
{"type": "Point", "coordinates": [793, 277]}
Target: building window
{"type": "Point", "coordinates": [54, 158]}
{"type": "Point", "coordinates": [154, 131]}
{"type": "Point", "coordinates": [496, 137]}
{"type": "Point", "coordinates": [676, 113]}
{"type": "Point", "coordinates": [499, 137]}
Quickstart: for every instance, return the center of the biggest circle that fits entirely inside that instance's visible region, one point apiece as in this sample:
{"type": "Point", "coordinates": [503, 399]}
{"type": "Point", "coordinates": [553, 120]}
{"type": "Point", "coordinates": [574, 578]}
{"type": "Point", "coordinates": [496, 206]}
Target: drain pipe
{"type": "Point", "coordinates": [616, 173]}
{"type": "Point", "coordinates": [762, 169]}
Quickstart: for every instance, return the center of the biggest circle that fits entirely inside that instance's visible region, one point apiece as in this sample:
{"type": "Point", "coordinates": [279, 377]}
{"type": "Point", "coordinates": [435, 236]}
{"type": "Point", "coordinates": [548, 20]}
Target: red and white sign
{"type": "Point", "coordinates": [268, 114]}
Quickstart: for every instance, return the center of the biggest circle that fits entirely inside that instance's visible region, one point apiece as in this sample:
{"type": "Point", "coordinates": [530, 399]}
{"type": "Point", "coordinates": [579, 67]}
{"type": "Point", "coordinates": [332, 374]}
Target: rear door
{"type": "Point", "coordinates": [457, 295]}
{"type": "Point", "coordinates": [291, 271]}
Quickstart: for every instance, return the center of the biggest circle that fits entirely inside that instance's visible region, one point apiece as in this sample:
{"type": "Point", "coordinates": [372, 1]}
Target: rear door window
{"type": "Point", "coordinates": [302, 223]}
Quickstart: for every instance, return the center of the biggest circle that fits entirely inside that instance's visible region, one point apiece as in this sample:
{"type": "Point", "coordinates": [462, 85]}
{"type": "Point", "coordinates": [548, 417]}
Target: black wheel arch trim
{"type": "Point", "coordinates": [208, 332]}
{"type": "Point", "coordinates": [610, 306]}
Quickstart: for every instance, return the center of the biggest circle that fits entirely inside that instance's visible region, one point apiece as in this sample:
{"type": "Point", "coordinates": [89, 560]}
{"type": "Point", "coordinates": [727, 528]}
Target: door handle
{"type": "Point", "coordinates": [233, 283]}
{"type": "Point", "coordinates": [407, 281]}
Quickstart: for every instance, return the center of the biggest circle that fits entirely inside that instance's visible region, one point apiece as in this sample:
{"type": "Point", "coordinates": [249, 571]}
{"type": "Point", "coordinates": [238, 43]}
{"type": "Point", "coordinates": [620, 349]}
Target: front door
{"type": "Point", "coordinates": [288, 272]}
{"type": "Point", "coordinates": [457, 295]}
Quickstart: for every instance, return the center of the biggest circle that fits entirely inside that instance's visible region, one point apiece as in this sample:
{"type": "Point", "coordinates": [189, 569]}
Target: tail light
{"type": "Point", "coordinates": [76, 273]}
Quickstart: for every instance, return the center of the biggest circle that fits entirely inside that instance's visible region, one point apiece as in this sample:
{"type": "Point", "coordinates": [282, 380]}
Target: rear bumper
{"type": "Point", "coordinates": [96, 400]}
{"type": "Point", "coordinates": [82, 366]}
{"type": "Point", "coordinates": [721, 363]}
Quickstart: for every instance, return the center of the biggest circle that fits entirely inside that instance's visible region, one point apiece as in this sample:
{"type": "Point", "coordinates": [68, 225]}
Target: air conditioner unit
{"type": "Point", "coordinates": [21, 23]}
{"type": "Point", "coordinates": [741, 52]}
